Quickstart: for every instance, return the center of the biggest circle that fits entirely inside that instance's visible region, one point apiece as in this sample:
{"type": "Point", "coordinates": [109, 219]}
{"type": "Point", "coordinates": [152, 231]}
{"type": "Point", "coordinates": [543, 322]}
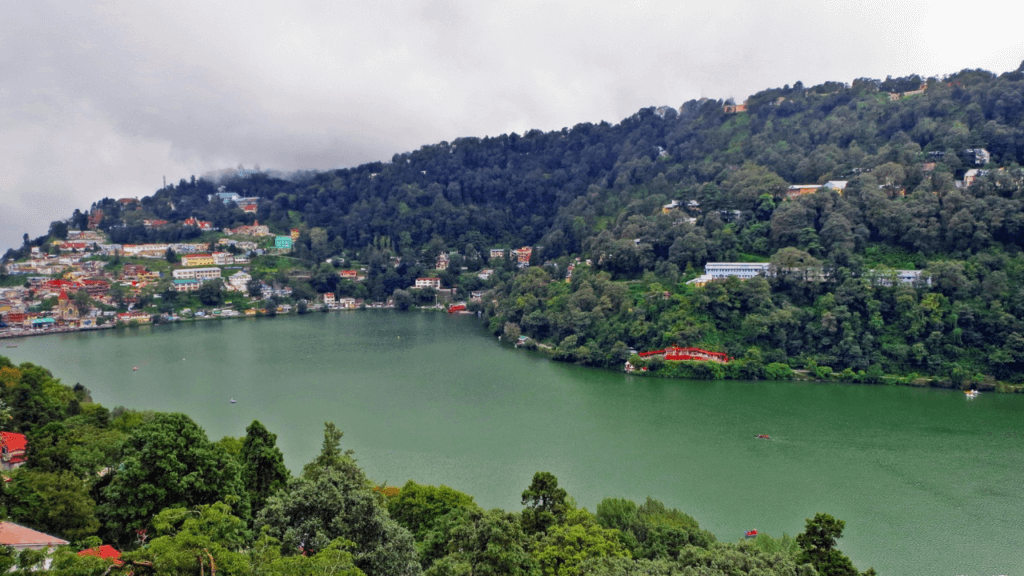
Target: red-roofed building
{"type": "Point", "coordinates": [21, 538]}
{"type": "Point", "coordinates": [106, 551]}
{"type": "Point", "coordinates": [12, 450]}
{"type": "Point", "coordinates": [201, 224]}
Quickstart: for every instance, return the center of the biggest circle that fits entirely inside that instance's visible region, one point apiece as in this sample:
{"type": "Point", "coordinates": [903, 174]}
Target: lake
{"type": "Point", "coordinates": [927, 481]}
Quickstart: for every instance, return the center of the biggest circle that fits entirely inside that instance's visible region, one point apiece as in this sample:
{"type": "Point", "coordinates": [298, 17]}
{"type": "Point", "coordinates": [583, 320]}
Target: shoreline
{"type": "Point", "coordinates": [909, 380]}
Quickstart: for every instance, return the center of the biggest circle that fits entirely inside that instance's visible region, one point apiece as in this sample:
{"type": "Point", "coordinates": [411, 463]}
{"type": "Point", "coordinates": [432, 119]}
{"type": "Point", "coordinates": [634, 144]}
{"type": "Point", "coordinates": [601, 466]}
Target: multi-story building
{"type": "Point", "coordinates": [201, 274]}
{"type": "Point", "coordinates": [223, 258]}
{"type": "Point", "coordinates": [434, 283]}
{"type": "Point", "coordinates": [197, 260]}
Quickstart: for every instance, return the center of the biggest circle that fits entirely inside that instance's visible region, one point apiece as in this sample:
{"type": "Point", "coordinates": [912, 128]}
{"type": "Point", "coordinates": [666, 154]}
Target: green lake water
{"type": "Point", "coordinates": [927, 481]}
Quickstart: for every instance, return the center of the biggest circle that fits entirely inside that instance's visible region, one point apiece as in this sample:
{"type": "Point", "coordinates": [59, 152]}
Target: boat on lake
{"type": "Point", "coordinates": [233, 401]}
{"type": "Point", "coordinates": [750, 534]}
{"type": "Point", "coordinates": [764, 437]}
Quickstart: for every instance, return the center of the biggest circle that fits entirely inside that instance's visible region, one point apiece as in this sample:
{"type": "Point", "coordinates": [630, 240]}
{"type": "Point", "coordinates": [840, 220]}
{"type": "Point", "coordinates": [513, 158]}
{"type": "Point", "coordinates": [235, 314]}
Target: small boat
{"type": "Point", "coordinates": [971, 393]}
{"type": "Point", "coordinates": [233, 401]}
{"type": "Point", "coordinates": [764, 436]}
{"type": "Point", "coordinates": [135, 368]}
{"type": "Point", "coordinates": [750, 534]}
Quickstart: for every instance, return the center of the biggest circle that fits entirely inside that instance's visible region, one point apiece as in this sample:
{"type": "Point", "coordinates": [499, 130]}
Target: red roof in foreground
{"type": "Point", "coordinates": [20, 537]}
{"type": "Point", "coordinates": [13, 441]}
{"type": "Point", "coordinates": [106, 551]}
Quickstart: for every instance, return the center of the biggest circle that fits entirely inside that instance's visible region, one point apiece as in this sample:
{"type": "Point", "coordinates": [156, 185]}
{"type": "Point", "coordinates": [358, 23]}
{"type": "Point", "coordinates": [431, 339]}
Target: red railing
{"type": "Point", "coordinates": [675, 353]}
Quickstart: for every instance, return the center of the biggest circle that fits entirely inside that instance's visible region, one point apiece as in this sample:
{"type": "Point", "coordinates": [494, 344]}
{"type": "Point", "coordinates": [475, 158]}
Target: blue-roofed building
{"type": "Point", "coordinates": [283, 242]}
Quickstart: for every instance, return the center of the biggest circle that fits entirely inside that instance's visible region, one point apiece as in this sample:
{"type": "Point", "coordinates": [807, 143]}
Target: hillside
{"type": "Point", "coordinates": [919, 175]}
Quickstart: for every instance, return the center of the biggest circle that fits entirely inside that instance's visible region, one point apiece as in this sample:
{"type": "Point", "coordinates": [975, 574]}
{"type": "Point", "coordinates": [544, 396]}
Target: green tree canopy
{"type": "Point", "coordinates": [167, 462]}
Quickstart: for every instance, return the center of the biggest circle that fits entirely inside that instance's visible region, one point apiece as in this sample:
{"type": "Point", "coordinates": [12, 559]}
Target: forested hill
{"type": "Point", "coordinates": [903, 146]}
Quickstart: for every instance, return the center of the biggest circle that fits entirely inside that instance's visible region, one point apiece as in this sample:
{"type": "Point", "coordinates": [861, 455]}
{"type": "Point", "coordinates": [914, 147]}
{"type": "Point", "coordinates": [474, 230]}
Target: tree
{"type": "Point", "coordinates": [418, 507]}
{"type": "Point", "coordinates": [52, 502]}
{"type": "Point", "coordinates": [254, 287]}
{"type": "Point", "coordinates": [194, 540]}
{"type": "Point", "coordinates": [332, 457]}
{"type": "Point", "coordinates": [314, 511]}
{"type": "Point", "coordinates": [818, 542]}
{"type": "Point", "coordinates": [263, 469]}
{"type": "Point", "coordinates": [472, 541]}
{"type": "Point", "coordinates": [566, 547]}
{"type": "Point", "coordinates": [545, 503]}
{"type": "Point", "coordinates": [167, 462]}
{"type": "Point", "coordinates": [211, 292]}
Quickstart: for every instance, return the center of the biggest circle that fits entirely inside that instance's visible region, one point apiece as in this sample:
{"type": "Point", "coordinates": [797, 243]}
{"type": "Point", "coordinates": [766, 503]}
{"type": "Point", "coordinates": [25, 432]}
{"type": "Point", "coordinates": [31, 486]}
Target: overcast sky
{"type": "Point", "coordinates": [106, 98]}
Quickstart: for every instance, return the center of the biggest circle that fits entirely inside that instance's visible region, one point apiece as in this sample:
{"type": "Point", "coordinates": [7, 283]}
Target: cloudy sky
{"type": "Point", "coordinates": [106, 98]}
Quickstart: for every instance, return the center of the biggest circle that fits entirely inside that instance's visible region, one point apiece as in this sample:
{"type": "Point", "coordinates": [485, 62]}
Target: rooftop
{"type": "Point", "coordinates": [20, 537]}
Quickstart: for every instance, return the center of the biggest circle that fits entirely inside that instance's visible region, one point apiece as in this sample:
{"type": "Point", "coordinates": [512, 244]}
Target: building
{"type": "Point", "coordinates": [66, 309]}
{"type": "Point", "coordinates": [329, 299]}
{"type": "Point", "coordinates": [973, 174]}
{"type": "Point", "coordinates": [734, 108]}
{"type": "Point", "coordinates": [442, 261]}
{"type": "Point", "coordinates": [295, 234]}
{"type": "Point", "coordinates": [837, 185]}
{"type": "Point", "coordinates": [719, 270]}
{"type": "Point", "coordinates": [349, 275]}
{"type": "Point", "coordinates": [197, 260]}
{"type": "Point", "coordinates": [890, 277]}
{"type": "Point", "coordinates": [742, 270]}
{"type": "Point", "coordinates": [223, 258]}
{"type": "Point", "coordinates": [21, 538]}
{"type": "Point", "coordinates": [283, 242]}
{"type": "Point", "coordinates": [106, 551]}
{"type": "Point", "coordinates": [523, 254]}
{"type": "Point", "coordinates": [976, 156]}
{"type": "Point", "coordinates": [201, 224]}
{"type": "Point", "coordinates": [797, 190]}
{"type": "Point", "coordinates": [497, 252]}
{"type": "Point", "coordinates": [136, 316]}
{"type": "Point", "coordinates": [434, 283]}
{"type": "Point", "coordinates": [201, 274]}
{"type": "Point", "coordinates": [12, 450]}
{"type": "Point", "coordinates": [485, 274]}
{"type": "Point", "coordinates": [673, 205]}
{"type": "Point", "coordinates": [239, 281]}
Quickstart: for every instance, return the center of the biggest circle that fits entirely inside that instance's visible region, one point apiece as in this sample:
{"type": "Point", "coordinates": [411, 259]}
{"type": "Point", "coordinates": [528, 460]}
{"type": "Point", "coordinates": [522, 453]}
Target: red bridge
{"type": "Point", "coordinates": [676, 353]}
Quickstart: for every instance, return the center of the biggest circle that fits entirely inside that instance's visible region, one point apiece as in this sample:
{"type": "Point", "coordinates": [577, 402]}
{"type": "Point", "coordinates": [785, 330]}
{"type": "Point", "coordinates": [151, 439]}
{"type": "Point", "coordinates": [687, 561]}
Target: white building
{"type": "Point", "coordinates": [239, 281]}
{"type": "Point", "coordinates": [742, 270]}
{"type": "Point", "coordinates": [223, 258]}
{"type": "Point", "coordinates": [434, 283]}
{"type": "Point", "coordinates": [201, 274]}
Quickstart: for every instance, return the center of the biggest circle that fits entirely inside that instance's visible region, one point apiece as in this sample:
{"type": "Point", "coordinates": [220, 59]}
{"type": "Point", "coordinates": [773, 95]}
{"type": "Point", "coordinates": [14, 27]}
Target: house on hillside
{"type": "Point", "coordinates": [21, 538]}
{"type": "Point", "coordinates": [798, 190]}
{"type": "Point", "coordinates": [12, 450]}
{"type": "Point", "coordinates": [106, 551]}
{"type": "Point", "coordinates": [434, 283]}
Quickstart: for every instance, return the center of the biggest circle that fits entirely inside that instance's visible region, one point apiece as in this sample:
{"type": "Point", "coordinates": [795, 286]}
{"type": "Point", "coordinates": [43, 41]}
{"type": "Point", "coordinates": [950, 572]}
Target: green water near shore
{"type": "Point", "coordinates": [927, 481]}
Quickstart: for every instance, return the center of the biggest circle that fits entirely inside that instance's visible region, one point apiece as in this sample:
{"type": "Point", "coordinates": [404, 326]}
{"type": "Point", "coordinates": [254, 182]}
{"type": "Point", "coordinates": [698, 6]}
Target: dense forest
{"type": "Point", "coordinates": [595, 193]}
{"type": "Point", "coordinates": [174, 502]}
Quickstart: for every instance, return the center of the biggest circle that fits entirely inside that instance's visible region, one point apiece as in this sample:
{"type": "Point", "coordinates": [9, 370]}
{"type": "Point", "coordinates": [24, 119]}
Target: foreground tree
{"type": "Point", "coordinates": [263, 469]}
{"type": "Point", "coordinates": [334, 499]}
{"type": "Point", "coordinates": [168, 462]}
{"type": "Point", "coordinates": [545, 503]}
{"type": "Point", "coordinates": [52, 502]}
{"type": "Point", "coordinates": [818, 542]}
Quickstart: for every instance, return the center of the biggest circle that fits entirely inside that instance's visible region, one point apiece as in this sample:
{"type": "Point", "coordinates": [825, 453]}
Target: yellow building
{"type": "Point", "coordinates": [197, 260]}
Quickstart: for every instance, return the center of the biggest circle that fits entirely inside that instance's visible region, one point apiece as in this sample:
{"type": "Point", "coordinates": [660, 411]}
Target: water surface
{"type": "Point", "coordinates": [927, 481]}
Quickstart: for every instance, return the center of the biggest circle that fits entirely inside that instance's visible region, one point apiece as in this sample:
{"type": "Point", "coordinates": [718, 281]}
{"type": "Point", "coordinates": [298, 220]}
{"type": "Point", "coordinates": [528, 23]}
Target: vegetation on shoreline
{"type": "Point", "coordinates": [154, 486]}
{"type": "Point", "coordinates": [926, 176]}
